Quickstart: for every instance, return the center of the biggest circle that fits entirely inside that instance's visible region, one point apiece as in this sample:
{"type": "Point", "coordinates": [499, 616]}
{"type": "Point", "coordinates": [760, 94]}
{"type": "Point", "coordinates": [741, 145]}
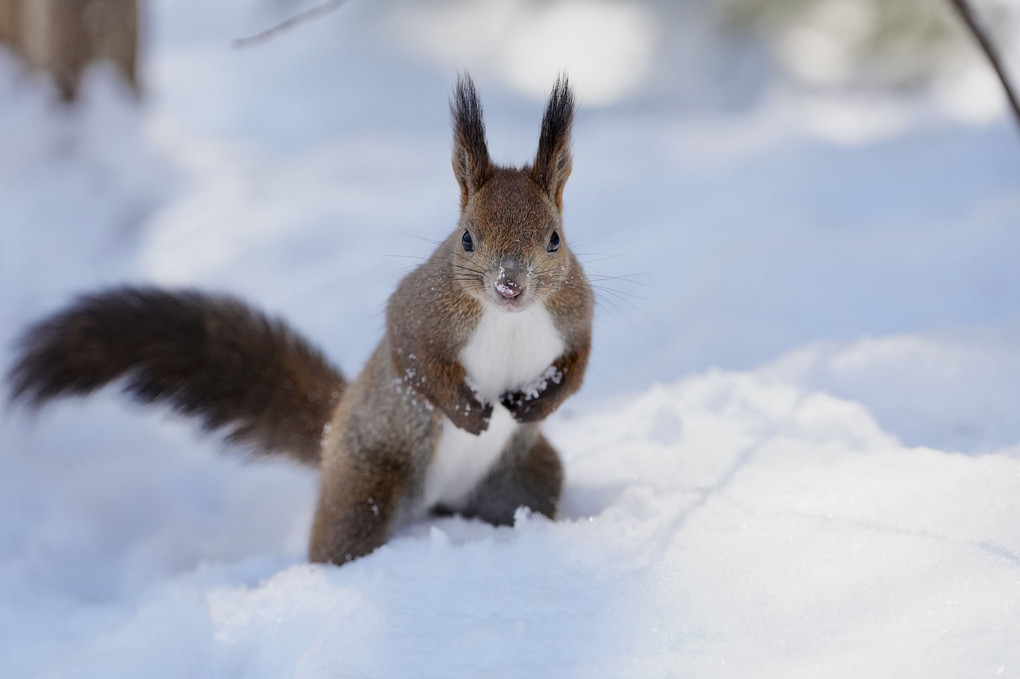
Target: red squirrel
{"type": "Point", "coordinates": [483, 341]}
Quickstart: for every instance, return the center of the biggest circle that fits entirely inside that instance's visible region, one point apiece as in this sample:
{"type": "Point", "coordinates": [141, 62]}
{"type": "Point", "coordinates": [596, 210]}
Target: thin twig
{"type": "Point", "coordinates": [977, 28]}
{"type": "Point", "coordinates": [308, 15]}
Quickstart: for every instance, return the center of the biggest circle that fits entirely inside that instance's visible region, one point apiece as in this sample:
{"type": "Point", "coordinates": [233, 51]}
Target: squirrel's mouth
{"type": "Point", "coordinates": [511, 305]}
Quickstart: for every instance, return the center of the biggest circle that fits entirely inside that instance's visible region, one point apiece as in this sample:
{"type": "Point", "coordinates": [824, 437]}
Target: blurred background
{"type": "Point", "coordinates": [752, 177]}
{"type": "Point", "coordinates": [821, 194]}
{"type": "Point", "coordinates": [706, 54]}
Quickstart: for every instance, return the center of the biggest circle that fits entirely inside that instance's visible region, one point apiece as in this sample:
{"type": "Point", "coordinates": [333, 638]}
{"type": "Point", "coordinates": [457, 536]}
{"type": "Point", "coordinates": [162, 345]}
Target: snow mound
{"type": "Point", "coordinates": [944, 392]}
{"type": "Point", "coordinates": [727, 524]}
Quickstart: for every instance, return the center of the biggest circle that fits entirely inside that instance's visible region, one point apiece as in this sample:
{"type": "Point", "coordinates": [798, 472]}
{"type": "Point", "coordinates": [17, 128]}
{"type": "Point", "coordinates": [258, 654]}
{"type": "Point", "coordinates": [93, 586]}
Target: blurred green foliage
{"type": "Point", "coordinates": [886, 43]}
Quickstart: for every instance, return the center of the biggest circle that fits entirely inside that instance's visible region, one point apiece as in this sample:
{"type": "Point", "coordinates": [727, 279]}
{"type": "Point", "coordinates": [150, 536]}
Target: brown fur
{"type": "Point", "coordinates": [216, 358]}
{"type": "Point", "coordinates": [553, 162]}
{"type": "Point", "coordinates": [471, 155]}
{"type": "Point", "coordinates": [205, 355]}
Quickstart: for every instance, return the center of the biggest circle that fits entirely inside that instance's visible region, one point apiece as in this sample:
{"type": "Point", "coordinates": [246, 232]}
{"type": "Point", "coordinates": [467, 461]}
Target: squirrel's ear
{"type": "Point", "coordinates": [470, 154]}
{"type": "Point", "coordinates": [552, 162]}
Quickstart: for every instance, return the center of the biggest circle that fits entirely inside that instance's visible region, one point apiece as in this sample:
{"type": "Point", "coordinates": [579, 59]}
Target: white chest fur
{"type": "Point", "coordinates": [506, 351]}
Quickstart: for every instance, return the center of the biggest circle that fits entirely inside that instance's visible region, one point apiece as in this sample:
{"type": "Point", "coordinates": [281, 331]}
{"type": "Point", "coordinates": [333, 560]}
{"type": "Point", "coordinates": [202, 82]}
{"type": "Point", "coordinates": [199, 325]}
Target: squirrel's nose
{"type": "Point", "coordinates": [507, 288]}
{"type": "Point", "coordinates": [507, 281]}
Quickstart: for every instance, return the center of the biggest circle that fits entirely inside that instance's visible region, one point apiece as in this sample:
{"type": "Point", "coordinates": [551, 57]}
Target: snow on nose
{"type": "Point", "coordinates": [506, 286]}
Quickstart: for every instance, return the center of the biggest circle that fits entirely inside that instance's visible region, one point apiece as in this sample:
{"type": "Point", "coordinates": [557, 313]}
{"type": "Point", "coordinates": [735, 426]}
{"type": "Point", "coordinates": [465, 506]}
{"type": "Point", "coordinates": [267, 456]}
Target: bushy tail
{"type": "Point", "coordinates": [209, 356]}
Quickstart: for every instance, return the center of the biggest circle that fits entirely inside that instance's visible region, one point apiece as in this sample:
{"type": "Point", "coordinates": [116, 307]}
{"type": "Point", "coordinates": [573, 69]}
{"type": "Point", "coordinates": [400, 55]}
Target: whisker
{"type": "Point", "coordinates": [613, 309]}
{"type": "Point", "coordinates": [387, 256]}
{"type": "Point", "coordinates": [419, 237]}
{"type": "Point", "coordinates": [583, 258]}
{"type": "Point", "coordinates": [625, 278]}
{"type": "Point", "coordinates": [400, 272]}
{"type": "Point", "coordinates": [474, 272]}
{"type": "Point", "coordinates": [621, 299]}
{"type": "Point", "coordinates": [622, 294]}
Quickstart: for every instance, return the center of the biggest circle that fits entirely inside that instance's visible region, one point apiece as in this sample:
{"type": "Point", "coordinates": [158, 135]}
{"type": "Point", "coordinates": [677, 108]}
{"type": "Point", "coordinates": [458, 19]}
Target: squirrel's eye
{"type": "Point", "coordinates": [554, 242]}
{"type": "Point", "coordinates": [469, 245]}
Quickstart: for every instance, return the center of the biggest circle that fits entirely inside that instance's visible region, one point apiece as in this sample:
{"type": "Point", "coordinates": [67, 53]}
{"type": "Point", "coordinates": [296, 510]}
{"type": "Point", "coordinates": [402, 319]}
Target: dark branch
{"type": "Point", "coordinates": [977, 28]}
{"type": "Point", "coordinates": [308, 15]}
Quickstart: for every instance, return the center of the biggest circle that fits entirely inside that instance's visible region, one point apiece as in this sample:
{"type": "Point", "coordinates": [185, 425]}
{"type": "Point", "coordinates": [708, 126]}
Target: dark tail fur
{"type": "Point", "coordinates": [209, 356]}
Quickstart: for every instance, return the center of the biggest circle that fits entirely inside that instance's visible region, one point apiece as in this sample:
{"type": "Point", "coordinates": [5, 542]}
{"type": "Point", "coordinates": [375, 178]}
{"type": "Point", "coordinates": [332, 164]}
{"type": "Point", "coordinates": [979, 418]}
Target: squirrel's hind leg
{"type": "Point", "coordinates": [358, 505]}
{"type": "Point", "coordinates": [529, 474]}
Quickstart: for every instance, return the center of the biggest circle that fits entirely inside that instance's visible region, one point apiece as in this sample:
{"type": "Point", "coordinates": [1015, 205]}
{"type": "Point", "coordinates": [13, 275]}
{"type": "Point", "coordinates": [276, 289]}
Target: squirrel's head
{"type": "Point", "coordinates": [509, 249]}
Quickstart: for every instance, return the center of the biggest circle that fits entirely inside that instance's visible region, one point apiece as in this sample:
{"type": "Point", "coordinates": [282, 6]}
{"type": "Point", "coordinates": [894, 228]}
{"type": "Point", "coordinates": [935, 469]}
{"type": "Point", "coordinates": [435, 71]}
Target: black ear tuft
{"type": "Point", "coordinates": [553, 162]}
{"type": "Point", "coordinates": [470, 154]}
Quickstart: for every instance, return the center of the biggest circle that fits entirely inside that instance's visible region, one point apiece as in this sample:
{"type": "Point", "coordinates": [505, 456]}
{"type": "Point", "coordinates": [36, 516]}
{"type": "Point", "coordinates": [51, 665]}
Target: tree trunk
{"type": "Point", "coordinates": [10, 22]}
{"type": "Point", "coordinates": [63, 37]}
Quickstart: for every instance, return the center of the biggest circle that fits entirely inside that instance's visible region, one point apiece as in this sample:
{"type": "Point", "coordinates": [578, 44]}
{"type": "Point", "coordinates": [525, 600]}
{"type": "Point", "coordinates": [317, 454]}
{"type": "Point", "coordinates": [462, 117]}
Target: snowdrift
{"type": "Point", "coordinates": [729, 524]}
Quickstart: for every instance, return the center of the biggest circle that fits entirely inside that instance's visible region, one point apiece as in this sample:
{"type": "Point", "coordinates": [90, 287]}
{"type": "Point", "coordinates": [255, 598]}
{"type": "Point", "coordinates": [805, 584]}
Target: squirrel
{"type": "Point", "coordinates": [483, 341]}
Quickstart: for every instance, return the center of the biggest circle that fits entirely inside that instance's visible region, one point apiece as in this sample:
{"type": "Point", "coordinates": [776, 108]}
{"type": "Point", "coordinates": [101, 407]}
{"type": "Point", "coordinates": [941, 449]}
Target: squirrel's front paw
{"type": "Point", "coordinates": [469, 413]}
{"type": "Point", "coordinates": [537, 400]}
{"type": "Point", "coordinates": [523, 406]}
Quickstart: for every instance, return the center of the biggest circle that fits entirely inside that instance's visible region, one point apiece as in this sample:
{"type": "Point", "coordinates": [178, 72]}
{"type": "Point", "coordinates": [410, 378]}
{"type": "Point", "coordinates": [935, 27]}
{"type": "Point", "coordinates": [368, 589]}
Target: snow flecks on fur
{"type": "Point", "coordinates": [501, 284]}
{"type": "Point", "coordinates": [475, 391]}
{"type": "Point", "coordinates": [533, 390]}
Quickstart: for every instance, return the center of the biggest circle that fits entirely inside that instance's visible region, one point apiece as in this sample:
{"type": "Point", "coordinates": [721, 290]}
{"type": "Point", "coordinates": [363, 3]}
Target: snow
{"type": "Point", "coordinates": [796, 453]}
{"type": "Point", "coordinates": [534, 389]}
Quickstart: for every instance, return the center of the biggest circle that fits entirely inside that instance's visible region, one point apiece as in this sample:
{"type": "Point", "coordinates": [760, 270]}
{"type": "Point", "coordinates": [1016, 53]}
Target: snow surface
{"type": "Point", "coordinates": [797, 452]}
